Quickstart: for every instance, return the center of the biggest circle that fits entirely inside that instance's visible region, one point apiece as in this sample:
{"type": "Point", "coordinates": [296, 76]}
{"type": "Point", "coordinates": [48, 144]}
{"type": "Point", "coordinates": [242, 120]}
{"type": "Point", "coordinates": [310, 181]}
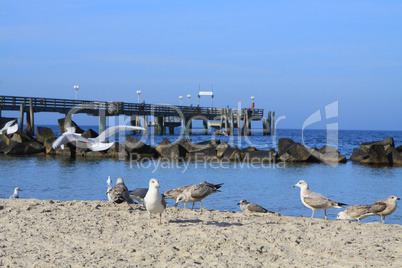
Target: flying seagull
{"type": "Point", "coordinates": [8, 128]}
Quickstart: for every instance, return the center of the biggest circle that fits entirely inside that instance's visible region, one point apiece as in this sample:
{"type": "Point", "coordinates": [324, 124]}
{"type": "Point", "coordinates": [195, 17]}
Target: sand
{"type": "Point", "coordinates": [96, 233]}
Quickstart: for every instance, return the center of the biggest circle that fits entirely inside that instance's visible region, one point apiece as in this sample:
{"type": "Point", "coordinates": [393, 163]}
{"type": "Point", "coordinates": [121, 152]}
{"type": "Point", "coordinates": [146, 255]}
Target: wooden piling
{"type": "Point", "coordinates": [102, 119]}
{"type": "Point", "coordinates": [31, 115]}
{"type": "Point", "coordinates": [238, 123]}
{"type": "Point", "coordinates": [205, 127]}
{"type": "Point", "coordinates": [273, 124]}
{"type": "Point", "coordinates": [21, 123]}
{"type": "Point", "coordinates": [268, 124]}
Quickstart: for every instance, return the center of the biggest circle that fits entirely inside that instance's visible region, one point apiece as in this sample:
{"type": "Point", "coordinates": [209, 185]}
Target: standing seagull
{"type": "Point", "coordinates": [153, 200]}
{"type": "Point", "coordinates": [315, 201]}
{"type": "Point", "coordinates": [384, 207]}
{"type": "Point", "coordinates": [119, 193]}
{"type": "Point", "coordinates": [196, 193]}
{"type": "Point", "coordinates": [8, 128]}
{"type": "Point", "coordinates": [251, 207]}
{"type": "Point", "coordinates": [355, 213]}
{"type": "Point", "coordinates": [138, 194]}
{"type": "Point", "coordinates": [15, 194]}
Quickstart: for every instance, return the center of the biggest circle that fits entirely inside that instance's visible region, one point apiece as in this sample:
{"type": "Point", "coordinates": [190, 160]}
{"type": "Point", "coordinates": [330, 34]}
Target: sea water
{"type": "Point", "coordinates": [269, 185]}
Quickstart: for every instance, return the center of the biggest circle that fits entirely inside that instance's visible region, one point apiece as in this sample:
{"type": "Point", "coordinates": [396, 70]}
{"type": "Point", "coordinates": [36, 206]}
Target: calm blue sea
{"type": "Point", "coordinates": [58, 178]}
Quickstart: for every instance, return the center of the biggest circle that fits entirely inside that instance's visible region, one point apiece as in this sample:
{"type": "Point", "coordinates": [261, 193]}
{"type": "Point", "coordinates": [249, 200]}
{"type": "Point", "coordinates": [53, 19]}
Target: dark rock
{"type": "Point", "coordinates": [249, 149]}
{"type": "Point", "coordinates": [221, 148]}
{"type": "Point", "coordinates": [394, 157]}
{"type": "Point", "coordinates": [174, 152]}
{"type": "Point", "coordinates": [90, 133]}
{"type": "Point", "coordinates": [260, 156]}
{"type": "Point", "coordinates": [63, 124]}
{"type": "Point", "coordinates": [296, 152]}
{"type": "Point", "coordinates": [44, 133]}
{"type": "Point", "coordinates": [387, 143]}
{"type": "Point", "coordinates": [399, 148]}
{"type": "Point", "coordinates": [137, 147]}
{"type": "Point", "coordinates": [358, 155]}
{"type": "Point", "coordinates": [3, 145]}
{"type": "Point", "coordinates": [48, 146]}
{"type": "Point", "coordinates": [15, 148]}
{"type": "Point", "coordinates": [163, 145]}
{"type": "Point", "coordinates": [208, 154]}
{"type": "Point", "coordinates": [376, 156]}
{"type": "Point", "coordinates": [329, 155]}
{"type": "Point", "coordinates": [233, 154]}
{"type": "Point", "coordinates": [283, 143]}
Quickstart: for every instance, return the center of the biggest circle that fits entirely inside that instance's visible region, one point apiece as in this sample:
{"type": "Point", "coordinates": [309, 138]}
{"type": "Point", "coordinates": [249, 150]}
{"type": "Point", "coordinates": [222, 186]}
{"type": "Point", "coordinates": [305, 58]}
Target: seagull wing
{"type": "Point", "coordinates": [6, 126]}
{"type": "Point", "coordinates": [66, 138]}
{"type": "Point", "coordinates": [112, 130]}
{"type": "Point", "coordinates": [96, 147]}
{"type": "Point", "coordinates": [12, 129]}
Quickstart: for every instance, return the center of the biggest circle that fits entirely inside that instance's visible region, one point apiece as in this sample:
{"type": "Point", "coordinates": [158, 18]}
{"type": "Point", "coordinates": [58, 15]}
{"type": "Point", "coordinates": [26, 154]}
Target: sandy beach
{"type": "Point", "coordinates": [39, 233]}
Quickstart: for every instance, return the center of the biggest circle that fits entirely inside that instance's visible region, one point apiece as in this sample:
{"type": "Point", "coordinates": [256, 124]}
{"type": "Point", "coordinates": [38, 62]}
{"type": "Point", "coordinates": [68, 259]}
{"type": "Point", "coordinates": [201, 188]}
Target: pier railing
{"type": "Point", "coordinates": [112, 108]}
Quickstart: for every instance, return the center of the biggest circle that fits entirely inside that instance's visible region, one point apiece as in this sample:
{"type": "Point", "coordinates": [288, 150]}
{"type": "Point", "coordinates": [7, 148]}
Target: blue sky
{"type": "Point", "coordinates": [295, 57]}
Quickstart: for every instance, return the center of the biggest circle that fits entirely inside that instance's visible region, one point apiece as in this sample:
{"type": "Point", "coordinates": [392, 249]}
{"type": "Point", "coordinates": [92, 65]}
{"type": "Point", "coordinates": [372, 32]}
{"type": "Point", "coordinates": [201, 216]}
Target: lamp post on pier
{"type": "Point", "coordinates": [189, 97]}
{"type": "Point", "coordinates": [139, 93]}
{"type": "Point", "coordinates": [181, 99]}
{"type": "Point", "coordinates": [76, 87]}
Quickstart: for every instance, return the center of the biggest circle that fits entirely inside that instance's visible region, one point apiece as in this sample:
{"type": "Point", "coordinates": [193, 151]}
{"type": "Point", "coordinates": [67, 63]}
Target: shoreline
{"type": "Point", "coordinates": [98, 233]}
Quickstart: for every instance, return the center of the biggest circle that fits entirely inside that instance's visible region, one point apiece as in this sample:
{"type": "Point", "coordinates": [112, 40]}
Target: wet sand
{"type": "Point", "coordinates": [96, 233]}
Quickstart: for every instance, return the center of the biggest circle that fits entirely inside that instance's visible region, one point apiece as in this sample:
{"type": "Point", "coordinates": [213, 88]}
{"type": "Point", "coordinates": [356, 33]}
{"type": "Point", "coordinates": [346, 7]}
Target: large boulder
{"type": "Point", "coordinates": [174, 152]}
{"type": "Point", "coordinates": [208, 154]}
{"type": "Point", "coordinates": [376, 156]}
{"type": "Point", "coordinates": [358, 155]}
{"type": "Point", "coordinates": [15, 148]}
{"type": "Point", "coordinates": [137, 147]}
{"type": "Point", "coordinates": [63, 124]}
{"type": "Point", "coordinates": [387, 143]}
{"type": "Point", "coordinates": [283, 143]}
{"type": "Point", "coordinates": [399, 148]}
{"type": "Point", "coordinates": [221, 148]}
{"type": "Point", "coordinates": [257, 157]}
{"type": "Point", "coordinates": [163, 145]}
{"type": "Point", "coordinates": [232, 154]}
{"type": "Point", "coordinates": [394, 157]}
{"type": "Point", "coordinates": [329, 155]}
{"type": "Point", "coordinates": [44, 133]}
{"type": "Point", "coordinates": [296, 152]}
{"type": "Point", "coordinates": [90, 133]}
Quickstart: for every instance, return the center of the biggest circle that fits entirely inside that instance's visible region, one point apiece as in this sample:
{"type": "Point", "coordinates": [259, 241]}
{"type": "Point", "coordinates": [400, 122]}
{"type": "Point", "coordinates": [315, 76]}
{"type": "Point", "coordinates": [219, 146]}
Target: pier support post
{"type": "Point", "coordinates": [159, 125]}
{"type": "Point", "coordinates": [231, 123]}
{"type": "Point", "coordinates": [30, 118]}
{"type": "Point", "coordinates": [273, 124]}
{"type": "Point", "coordinates": [102, 120]}
{"type": "Point", "coordinates": [135, 122]}
{"type": "Point", "coordinates": [187, 125]}
{"type": "Point", "coordinates": [226, 121]}
{"type": "Point", "coordinates": [269, 124]}
{"type": "Point", "coordinates": [238, 123]}
{"type": "Point", "coordinates": [21, 123]}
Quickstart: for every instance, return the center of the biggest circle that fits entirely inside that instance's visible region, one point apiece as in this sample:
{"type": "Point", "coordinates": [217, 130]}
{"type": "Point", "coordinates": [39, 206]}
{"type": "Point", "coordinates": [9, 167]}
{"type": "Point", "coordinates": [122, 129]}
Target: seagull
{"type": "Point", "coordinates": [196, 193]}
{"type": "Point", "coordinates": [384, 207]}
{"type": "Point", "coordinates": [15, 194]}
{"type": "Point", "coordinates": [109, 181]}
{"type": "Point", "coordinates": [94, 144]}
{"type": "Point", "coordinates": [174, 193]}
{"type": "Point", "coordinates": [315, 201]}
{"type": "Point", "coordinates": [251, 207]}
{"type": "Point", "coordinates": [119, 193]}
{"type": "Point", "coordinates": [109, 191]}
{"type": "Point", "coordinates": [355, 213]}
{"type": "Point", "coordinates": [153, 200]}
{"type": "Point", "coordinates": [8, 128]}
{"type": "Point", "coordinates": [138, 194]}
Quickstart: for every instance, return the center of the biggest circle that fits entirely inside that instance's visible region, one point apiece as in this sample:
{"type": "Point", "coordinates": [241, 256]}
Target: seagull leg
{"type": "Point", "coordinates": [193, 206]}
{"type": "Point", "coordinates": [160, 219]}
{"type": "Point", "coordinates": [185, 206]}
{"type": "Point", "coordinates": [383, 219]}
{"type": "Point", "coordinates": [200, 206]}
{"type": "Point", "coordinates": [312, 214]}
{"type": "Point", "coordinates": [325, 212]}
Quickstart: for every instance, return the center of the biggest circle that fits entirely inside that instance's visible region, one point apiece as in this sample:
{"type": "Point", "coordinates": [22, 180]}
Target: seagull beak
{"type": "Point", "coordinates": [158, 186]}
{"type": "Point", "coordinates": [238, 203]}
{"type": "Point", "coordinates": [294, 186]}
{"type": "Point", "coordinates": [398, 198]}
{"type": "Point", "coordinates": [175, 205]}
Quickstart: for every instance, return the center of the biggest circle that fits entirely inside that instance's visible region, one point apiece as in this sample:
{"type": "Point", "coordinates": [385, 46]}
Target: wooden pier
{"type": "Point", "coordinates": [224, 120]}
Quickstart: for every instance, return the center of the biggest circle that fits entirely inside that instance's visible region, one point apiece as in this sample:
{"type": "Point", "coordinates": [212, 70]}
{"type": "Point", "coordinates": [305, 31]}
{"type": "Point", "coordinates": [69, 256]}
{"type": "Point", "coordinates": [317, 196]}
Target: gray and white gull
{"type": "Point", "coordinates": [153, 200]}
{"type": "Point", "coordinates": [251, 207]}
{"type": "Point", "coordinates": [15, 194]}
{"type": "Point", "coordinates": [355, 213]}
{"type": "Point", "coordinates": [197, 192]}
{"type": "Point", "coordinates": [385, 207]}
{"type": "Point", "coordinates": [315, 201]}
